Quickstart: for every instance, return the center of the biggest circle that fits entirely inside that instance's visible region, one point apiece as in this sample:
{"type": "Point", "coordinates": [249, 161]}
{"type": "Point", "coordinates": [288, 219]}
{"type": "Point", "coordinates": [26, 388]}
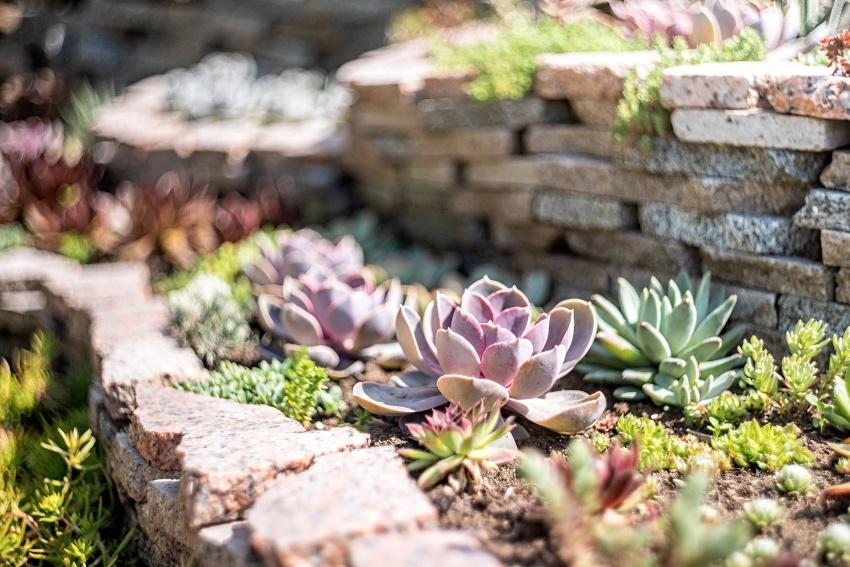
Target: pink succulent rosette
{"type": "Point", "coordinates": [292, 254]}
{"type": "Point", "coordinates": [332, 316]}
{"type": "Point", "coordinates": [487, 348]}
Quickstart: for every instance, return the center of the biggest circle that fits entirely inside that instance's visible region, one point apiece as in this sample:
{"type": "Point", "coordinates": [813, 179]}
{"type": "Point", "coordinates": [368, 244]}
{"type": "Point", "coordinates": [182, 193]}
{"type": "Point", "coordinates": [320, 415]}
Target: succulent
{"type": "Point", "coordinates": [664, 344]}
{"type": "Point", "coordinates": [710, 21]}
{"type": "Point", "coordinates": [291, 254]}
{"type": "Point", "coordinates": [842, 465]}
{"type": "Point", "coordinates": [458, 442]}
{"type": "Point", "coordinates": [834, 48]}
{"type": "Point", "coordinates": [794, 480]}
{"type": "Point", "coordinates": [764, 513]}
{"type": "Point", "coordinates": [486, 347]}
{"type": "Point", "coordinates": [760, 552]}
{"type": "Point", "coordinates": [833, 407]}
{"type": "Point", "coordinates": [834, 544]}
{"type": "Point", "coordinates": [765, 446]}
{"type": "Point", "coordinates": [332, 316]}
{"type": "Point", "coordinates": [238, 217]}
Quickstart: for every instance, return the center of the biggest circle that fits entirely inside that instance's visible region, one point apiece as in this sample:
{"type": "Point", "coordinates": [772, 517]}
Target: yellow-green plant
{"type": "Point", "coordinates": [833, 406]}
{"type": "Point", "coordinates": [24, 384]}
{"type": "Point", "coordinates": [764, 446]}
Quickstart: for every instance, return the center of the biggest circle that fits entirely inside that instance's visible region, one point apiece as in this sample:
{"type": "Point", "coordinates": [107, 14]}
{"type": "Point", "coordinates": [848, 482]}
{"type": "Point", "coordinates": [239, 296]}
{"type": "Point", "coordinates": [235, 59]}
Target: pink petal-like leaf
{"type": "Point", "coordinates": [507, 298]}
{"type": "Point", "coordinates": [270, 310]}
{"type": "Point", "coordinates": [300, 326]}
{"type": "Point", "coordinates": [456, 355]}
{"type": "Point", "coordinates": [501, 361]}
{"type": "Point", "coordinates": [466, 326]}
{"type": "Point", "coordinates": [408, 328]}
{"type": "Point", "coordinates": [565, 411]}
{"type": "Point", "coordinates": [560, 327]}
{"type": "Point", "coordinates": [514, 319]}
{"type": "Point", "coordinates": [485, 286]}
{"type": "Point", "coordinates": [538, 374]}
{"type": "Point", "coordinates": [495, 334]}
{"type": "Point", "coordinates": [442, 311]}
{"type": "Point", "coordinates": [382, 399]}
{"type": "Point", "coordinates": [467, 391]}
{"type": "Point", "coordinates": [584, 323]}
{"type": "Point", "coordinates": [377, 328]}
{"type": "Point", "coordinates": [477, 305]}
{"type": "Point", "coordinates": [538, 333]}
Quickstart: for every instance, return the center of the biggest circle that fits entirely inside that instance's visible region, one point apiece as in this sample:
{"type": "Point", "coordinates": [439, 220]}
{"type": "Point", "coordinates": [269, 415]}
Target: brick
{"type": "Point", "coordinates": [509, 206]}
{"type": "Point", "coordinates": [632, 248]}
{"type": "Point", "coordinates": [711, 85]}
{"type": "Point", "coordinates": [825, 210]}
{"type": "Point", "coordinates": [753, 305]}
{"type": "Point", "coordinates": [226, 545]}
{"type": "Point", "coordinates": [503, 174]}
{"type": "Point", "coordinates": [473, 143]}
{"type": "Point", "coordinates": [587, 75]}
{"type": "Point", "coordinates": [569, 139]}
{"type": "Point", "coordinates": [311, 517]}
{"type": "Point", "coordinates": [702, 194]}
{"type": "Point", "coordinates": [444, 548]}
{"type": "Point", "coordinates": [165, 418]}
{"type": "Point", "coordinates": [793, 308]}
{"type": "Point", "coordinates": [572, 210]}
{"type": "Point", "coordinates": [451, 113]}
{"type": "Point", "coordinates": [835, 248]}
{"type": "Point", "coordinates": [842, 285]}
{"type": "Point", "coordinates": [773, 273]}
{"type": "Point", "coordinates": [759, 128]}
{"type": "Point", "coordinates": [224, 473]}
{"type": "Point", "coordinates": [595, 112]}
{"type": "Point", "coordinates": [153, 360]}
{"type": "Point", "coordinates": [129, 469]}
{"type": "Point", "coordinates": [756, 234]}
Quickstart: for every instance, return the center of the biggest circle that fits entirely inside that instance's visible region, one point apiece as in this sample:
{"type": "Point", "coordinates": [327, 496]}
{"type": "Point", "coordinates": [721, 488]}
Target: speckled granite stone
{"type": "Point", "coordinates": [671, 156]}
{"type": "Point", "coordinates": [569, 139]}
{"type": "Point", "coordinates": [129, 470]}
{"type": "Point", "coordinates": [506, 173]}
{"type": "Point", "coordinates": [595, 112]}
{"type": "Point", "coordinates": [452, 113]}
{"type": "Point", "coordinates": [835, 247]}
{"type": "Point", "coordinates": [837, 173]}
{"type": "Point", "coordinates": [756, 234]}
{"type": "Point", "coordinates": [633, 248]}
{"type": "Point", "coordinates": [160, 515]}
{"type": "Point", "coordinates": [153, 359]}
{"type": "Point", "coordinates": [443, 548]}
{"type": "Point", "coordinates": [472, 143]}
{"type": "Point", "coordinates": [572, 210]}
{"type": "Point", "coordinates": [794, 308]}
{"type": "Point", "coordinates": [226, 545]}
{"type": "Point", "coordinates": [587, 75]}
{"type": "Point", "coordinates": [711, 85]}
{"type": "Point", "coordinates": [165, 417]}
{"type": "Point", "coordinates": [310, 518]}
{"type": "Point", "coordinates": [224, 473]}
{"type": "Point", "coordinates": [774, 273]}
{"type": "Point", "coordinates": [825, 209]}
{"type": "Point", "coordinates": [820, 94]}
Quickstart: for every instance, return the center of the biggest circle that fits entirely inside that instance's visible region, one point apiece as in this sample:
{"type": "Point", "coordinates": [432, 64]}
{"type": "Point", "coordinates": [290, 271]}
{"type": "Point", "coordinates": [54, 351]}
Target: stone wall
{"type": "Point", "coordinates": [213, 482]}
{"type": "Point", "coordinates": [122, 41]}
{"type": "Point", "coordinates": [751, 185]}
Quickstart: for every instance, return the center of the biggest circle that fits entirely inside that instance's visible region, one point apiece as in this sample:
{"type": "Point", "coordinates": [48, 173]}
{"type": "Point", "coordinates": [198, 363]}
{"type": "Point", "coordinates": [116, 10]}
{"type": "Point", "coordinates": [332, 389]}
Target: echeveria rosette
{"type": "Point", "coordinates": [332, 316]}
{"type": "Point", "coordinates": [488, 348]}
{"type": "Point", "coordinates": [292, 254]}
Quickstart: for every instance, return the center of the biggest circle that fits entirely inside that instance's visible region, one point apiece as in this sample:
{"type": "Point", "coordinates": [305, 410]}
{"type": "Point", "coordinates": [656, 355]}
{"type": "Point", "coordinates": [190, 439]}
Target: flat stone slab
{"type": "Point", "coordinates": [825, 210]}
{"type": "Point", "coordinates": [443, 548]}
{"type": "Point", "coordinates": [569, 139]}
{"type": "Point", "coordinates": [793, 308]}
{"type": "Point", "coordinates": [712, 85]}
{"type": "Point", "coordinates": [224, 473]}
{"type": "Point", "coordinates": [523, 237]}
{"type": "Point", "coordinates": [472, 143]}
{"type": "Point", "coordinates": [310, 518]}
{"type": "Point", "coordinates": [633, 248]}
{"type": "Point", "coordinates": [129, 469]}
{"type": "Point", "coordinates": [773, 273]}
{"type": "Point", "coordinates": [842, 285]}
{"type": "Point", "coordinates": [743, 232]}
{"type": "Point", "coordinates": [505, 173]}
{"type": "Point", "coordinates": [160, 515]}
{"type": "Point", "coordinates": [164, 418]}
{"type": "Point", "coordinates": [20, 268]}
{"type": "Point", "coordinates": [601, 113]}
{"type": "Point", "coordinates": [837, 173]}
{"type": "Point", "coordinates": [226, 545]}
{"type": "Point", "coordinates": [573, 210]}
{"type": "Point", "coordinates": [510, 205]}
{"type": "Point", "coordinates": [452, 113]}
{"type": "Point", "coordinates": [816, 92]}
{"type": "Point", "coordinates": [587, 75]}
{"type": "Point", "coordinates": [759, 128]}
{"type": "Point", "coordinates": [578, 273]}
{"type": "Point", "coordinates": [708, 195]}
{"type": "Point", "coordinates": [835, 248]}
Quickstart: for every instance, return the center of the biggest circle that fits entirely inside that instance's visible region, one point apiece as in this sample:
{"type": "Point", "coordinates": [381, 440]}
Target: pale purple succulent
{"type": "Point", "coordinates": [347, 314]}
{"type": "Point", "coordinates": [710, 21]}
{"type": "Point", "coordinates": [488, 348]}
{"type": "Point", "coordinates": [291, 254]}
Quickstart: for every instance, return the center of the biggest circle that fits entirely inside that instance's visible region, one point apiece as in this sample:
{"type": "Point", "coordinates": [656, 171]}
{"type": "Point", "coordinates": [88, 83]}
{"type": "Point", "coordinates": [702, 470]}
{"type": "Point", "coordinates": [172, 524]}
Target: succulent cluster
{"type": "Point", "coordinates": [765, 446]}
{"type": "Point", "coordinates": [710, 21]}
{"type": "Point", "coordinates": [486, 347]}
{"type": "Point", "coordinates": [459, 444]}
{"type": "Point", "coordinates": [664, 344]}
{"type": "Point", "coordinates": [794, 480]}
{"type": "Point", "coordinates": [834, 544]}
{"type": "Point", "coordinates": [833, 407]}
{"type": "Point", "coordinates": [763, 513]}
{"type": "Point", "coordinates": [834, 48]}
{"type": "Point", "coordinates": [227, 85]}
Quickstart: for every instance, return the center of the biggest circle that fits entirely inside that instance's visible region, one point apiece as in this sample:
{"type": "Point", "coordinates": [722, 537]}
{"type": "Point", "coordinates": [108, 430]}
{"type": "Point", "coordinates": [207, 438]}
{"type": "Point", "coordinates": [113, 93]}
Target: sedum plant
{"type": "Point", "coordinates": [764, 446]}
{"type": "Point", "coordinates": [487, 348]}
{"type": "Point", "coordinates": [763, 513]}
{"type": "Point", "coordinates": [664, 344]}
{"type": "Point", "coordinates": [833, 407]}
{"type": "Point", "coordinates": [295, 386]}
{"type": "Point", "coordinates": [834, 544]}
{"type": "Point", "coordinates": [207, 317]}
{"type": "Point", "coordinates": [794, 480]}
{"type": "Point", "coordinates": [459, 444]}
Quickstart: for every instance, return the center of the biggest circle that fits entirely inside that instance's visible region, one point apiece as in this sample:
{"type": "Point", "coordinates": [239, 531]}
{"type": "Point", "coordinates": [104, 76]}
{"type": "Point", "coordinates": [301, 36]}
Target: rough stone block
{"type": "Point", "coordinates": [165, 418]}
{"type": "Point", "coordinates": [311, 517]}
{"type": "Point", "coordinates": [632, 248]}
{"type": "Point", "coordinates": [568, 270]}
{"type": "Point", "coordinates": [502, 174]}
{"type": "Point", "coordinates": [595, 112]}
{"type": "Point", "coordinates": [753, 305]}
{"type": "Point", "coordinates": [837, 173]}
{"type": "Point", "coordinates": [22, 313]}
{"type": "Point", "coordinates": [825, 210]}
{"type": "Point", "coordinates": [223, 474]}
{"type": "Point", "coordinates": [759, 128]}
{"type": "Point", "coordinates": [522, 237]}
{"type": "Point", "coordinates": [835, 248]}
{"type": "Point", "coordinates": [572, 210]}
{"type": "Point", "coordinates": [446, 84]}
{"type": "Point", "coordinates": [430, 172]}
{"type": "Point", "coordinates": [587, 75]}
{"type": "Point", "coordinates": [129, 469]}
{"type": "Point", "coordinates": [226, 545]}
{"type": "Point", "coordinates": [152, 360]}
{"type": "Point", "coordinates": [160, 515]}
{"type": "Point", "coordinates": [711, 85]}
{"type": "Point", "coordinates": [373, 118]}
{"type": "Point", "coordinates": [443, 548]}
{"type": "Point", "coordinates": [20, 268]}
{"type": "Point", "coordinates": [512, 206]}
{"type": "Point", "coordinates": [474, 143]}
{"type": "Point", "coordinates": [815, 92]}
{"type": "Point", "coordinates": [793, 308]}
{"type": "Point", "coordinates": [451, 113]}
{"type": "Point", "coordinates": [842, 285]}
{"type": "Point", "coordinates": [569, 139]}
{"type": "Point", "coordinates": [703, 194]}
{"type": "Point", "coordinates": [744, 232]}
{"type": "Point", "coordinates": [671, 156]}
{"type": "Point", "coordinates": [773, 273]}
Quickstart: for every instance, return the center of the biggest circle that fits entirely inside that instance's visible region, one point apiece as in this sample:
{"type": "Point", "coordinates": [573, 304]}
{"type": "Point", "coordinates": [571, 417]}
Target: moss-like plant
{"type": "Point", "coordinates": [505, 65]}
{"type": "Point", "coordinates": [77, 247]}
{"type": "Point", "coordinates": [295, 386]}
{"type": "Point", "coordinates": [794, 480]}
{"type": "Point", "coordinates": [24, 384]}
{"type": "Point", "coordinates": [724, 411]}
{"type": "Point", "coordinates": [661, 449]}
{"type": "Point", "coordinates": [12, 235]}
{"type": "Point", "coordinates": [764, 446]}
{"type": "Point", "coordinates": [640, 113]}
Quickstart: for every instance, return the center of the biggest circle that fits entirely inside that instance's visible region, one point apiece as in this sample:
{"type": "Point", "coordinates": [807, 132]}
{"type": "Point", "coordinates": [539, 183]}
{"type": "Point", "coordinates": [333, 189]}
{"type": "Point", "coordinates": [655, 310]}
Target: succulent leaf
{"type": "Point", "coordinates": [653, 343]}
